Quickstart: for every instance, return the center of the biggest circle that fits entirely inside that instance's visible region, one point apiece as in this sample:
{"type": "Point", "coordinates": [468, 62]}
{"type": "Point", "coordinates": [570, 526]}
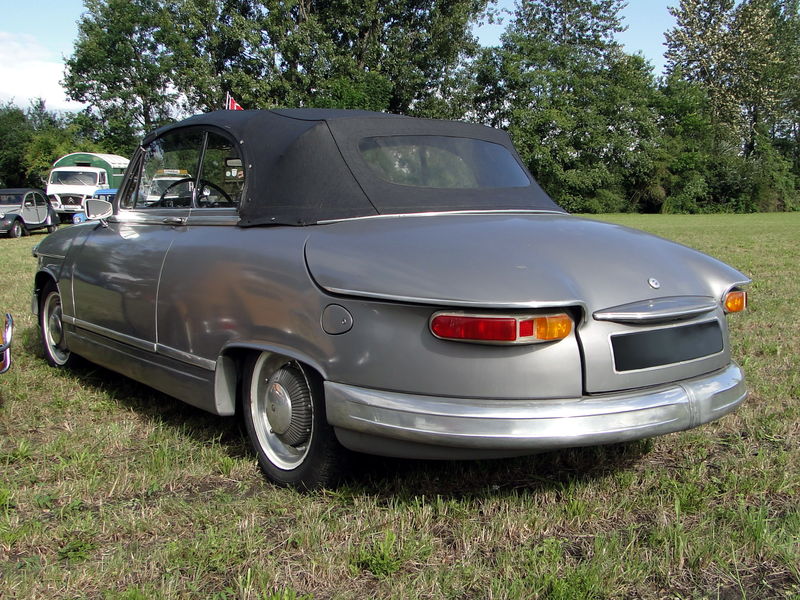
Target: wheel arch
{"type": "Point", "coordinates": [229, 371]}
{"type": "Point", "coordinates": [40, 280]}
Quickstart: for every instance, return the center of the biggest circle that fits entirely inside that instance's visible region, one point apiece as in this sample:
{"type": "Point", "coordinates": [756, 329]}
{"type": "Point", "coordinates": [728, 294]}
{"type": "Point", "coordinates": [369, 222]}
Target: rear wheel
{"type": "Point", "coordinates": [284, 413]}
{"type": "Point", "coordinates": [16, 229]}
{"type": "Point", "coordinates": [51, 328]}
{"type": "Point", "coordinates": [51, 228]}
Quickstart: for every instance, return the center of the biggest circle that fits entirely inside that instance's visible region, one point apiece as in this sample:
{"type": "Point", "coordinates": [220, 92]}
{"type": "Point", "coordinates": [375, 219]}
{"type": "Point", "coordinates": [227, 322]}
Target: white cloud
{"type": "Point", "coordinates": [28, 71]}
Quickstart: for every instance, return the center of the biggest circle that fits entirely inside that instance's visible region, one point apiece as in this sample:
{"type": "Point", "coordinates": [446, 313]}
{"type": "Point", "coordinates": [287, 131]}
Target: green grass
{"type": "Point", "coordinates": [111, 490]}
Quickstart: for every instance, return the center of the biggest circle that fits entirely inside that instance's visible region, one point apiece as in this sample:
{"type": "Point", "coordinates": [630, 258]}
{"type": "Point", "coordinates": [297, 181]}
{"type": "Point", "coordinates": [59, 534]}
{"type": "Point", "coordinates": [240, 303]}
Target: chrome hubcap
{"type": "Point", "coordinates": [279, 408]}
{"type": "Point", "coordinates": [54, 333]}
{"type": "Point", "coordinates": [281, 411]}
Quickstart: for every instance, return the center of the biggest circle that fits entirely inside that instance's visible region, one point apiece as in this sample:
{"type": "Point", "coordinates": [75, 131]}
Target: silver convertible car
{"type": "Point", "coordinates": [387, 285]}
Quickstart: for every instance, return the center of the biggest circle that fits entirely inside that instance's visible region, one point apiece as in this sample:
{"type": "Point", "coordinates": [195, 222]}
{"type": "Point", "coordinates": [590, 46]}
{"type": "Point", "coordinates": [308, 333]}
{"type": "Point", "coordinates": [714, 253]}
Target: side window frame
{"type": "Point", "coordinates": [221, 133]}
{"type": "Point", "coordinates": [130, 189]}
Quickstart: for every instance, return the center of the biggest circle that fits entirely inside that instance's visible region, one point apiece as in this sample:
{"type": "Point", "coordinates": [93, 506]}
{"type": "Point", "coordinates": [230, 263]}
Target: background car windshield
{"type": "Point", "coordinates": [10, 199]}
{"type": "Point", "coordinates": [74, 178]}
{"type": "Point", "coordinates": [442, 162]}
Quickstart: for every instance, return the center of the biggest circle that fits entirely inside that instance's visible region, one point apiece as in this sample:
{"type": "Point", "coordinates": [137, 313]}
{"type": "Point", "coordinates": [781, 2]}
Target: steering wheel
{"type": "Point", "coordinates": [162, 199]}
{"type": "Point", "coordinates": [204, 185]}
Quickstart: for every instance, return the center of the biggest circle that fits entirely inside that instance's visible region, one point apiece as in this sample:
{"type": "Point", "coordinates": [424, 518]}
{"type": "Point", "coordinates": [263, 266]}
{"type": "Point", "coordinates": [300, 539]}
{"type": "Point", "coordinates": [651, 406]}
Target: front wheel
{"type": "Point", "coordinates": [284, 413]}
{"type": "Point", "coordinates": [51, 328]}
{"type": "Point", "coordinates": [16, 229]}
{"type": "Point", "coordinates": [51, 228]}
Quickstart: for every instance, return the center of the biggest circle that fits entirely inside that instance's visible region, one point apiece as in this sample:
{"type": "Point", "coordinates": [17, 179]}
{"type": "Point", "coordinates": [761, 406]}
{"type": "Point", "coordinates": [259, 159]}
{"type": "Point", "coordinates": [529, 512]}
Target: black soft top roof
{"type": "Point", "coordinates": [303, 166]}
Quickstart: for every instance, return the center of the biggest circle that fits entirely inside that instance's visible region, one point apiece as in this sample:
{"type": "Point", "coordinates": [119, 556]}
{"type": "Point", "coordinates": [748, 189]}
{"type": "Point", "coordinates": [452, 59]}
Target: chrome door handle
{"type": "Point", "coordinates": [173, 221]}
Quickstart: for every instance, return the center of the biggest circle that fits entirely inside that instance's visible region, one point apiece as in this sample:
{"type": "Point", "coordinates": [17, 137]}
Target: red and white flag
{"type": "Point", "coordinates": [231, 104]}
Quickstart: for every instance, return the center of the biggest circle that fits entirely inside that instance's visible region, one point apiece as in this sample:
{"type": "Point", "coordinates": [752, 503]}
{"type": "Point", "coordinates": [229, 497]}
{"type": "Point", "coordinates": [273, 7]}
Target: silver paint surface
{"type": "Point", "coordinates": [167, 305]}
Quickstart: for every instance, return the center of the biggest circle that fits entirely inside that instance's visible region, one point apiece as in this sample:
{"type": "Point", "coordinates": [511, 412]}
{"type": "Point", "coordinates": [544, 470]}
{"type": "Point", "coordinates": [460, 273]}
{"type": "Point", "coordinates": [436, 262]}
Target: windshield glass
{"type": "Point", "coordinates": [434, 161]}
{"type": "Point", "coordinates": [10, 199]}
{"type": "Point", "coordinates": [73, 178]}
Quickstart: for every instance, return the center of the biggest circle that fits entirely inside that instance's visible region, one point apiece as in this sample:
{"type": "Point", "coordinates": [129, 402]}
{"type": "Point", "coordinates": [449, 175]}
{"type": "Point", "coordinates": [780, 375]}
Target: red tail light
{"type": "Point", "coordinates": [527, 329]}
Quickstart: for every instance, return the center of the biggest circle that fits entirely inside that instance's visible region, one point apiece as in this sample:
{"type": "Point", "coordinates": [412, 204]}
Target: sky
{"type": "Point", "coordinates": [36, 36]}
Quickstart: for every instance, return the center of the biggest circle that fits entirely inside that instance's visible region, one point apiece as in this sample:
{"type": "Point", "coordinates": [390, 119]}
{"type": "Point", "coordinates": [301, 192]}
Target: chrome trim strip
{"type": "Point", "coordinates": [670, 308]}
{"type": "Point", "coordinates": [110, 333]}
{"type": "Point", "coordinates": [512, 211]}
{"type": "Point", "coordinates": [192, 359]}
{"type": "Point", "coordinates": [532, 304]}
{"type": "Point", "coordinates": [535, 424]}
{"type": "Point", "coordinates": [54, 256]}
{"type": "Point", "coordinates": [213, 219]}
{"type": "Point", "coordinates": [732, 287]}
{"type": "Point", "coordinates": [179, 355]}
{"type": "Point", "coordinates": [194, 216]}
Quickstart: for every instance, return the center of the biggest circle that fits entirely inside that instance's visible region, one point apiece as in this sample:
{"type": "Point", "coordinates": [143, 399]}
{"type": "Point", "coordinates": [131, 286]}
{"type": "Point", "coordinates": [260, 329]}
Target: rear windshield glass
{"type": "Point", "coordinates": [434, 161]}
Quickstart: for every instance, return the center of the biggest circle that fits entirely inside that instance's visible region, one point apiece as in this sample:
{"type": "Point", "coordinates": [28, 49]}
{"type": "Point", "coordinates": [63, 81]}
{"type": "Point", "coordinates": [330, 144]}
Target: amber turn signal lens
{"type": "Point", "coordinates": [735, 301]}
{"type": "Point", "coordinates": [555, 327]}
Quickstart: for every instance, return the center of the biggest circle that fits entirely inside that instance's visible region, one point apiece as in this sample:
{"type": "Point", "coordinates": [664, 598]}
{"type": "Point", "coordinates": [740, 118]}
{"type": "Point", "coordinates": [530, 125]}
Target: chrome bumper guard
{"type": "Point", "coordinates": [520, 425]}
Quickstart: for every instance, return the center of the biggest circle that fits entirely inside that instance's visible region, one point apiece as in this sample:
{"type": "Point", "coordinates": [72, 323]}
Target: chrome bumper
{"type": "Point", "coordinates": [521, 426]}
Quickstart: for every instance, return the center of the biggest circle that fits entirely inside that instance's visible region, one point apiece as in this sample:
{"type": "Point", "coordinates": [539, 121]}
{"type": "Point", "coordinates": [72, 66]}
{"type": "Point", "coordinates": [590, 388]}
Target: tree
{"type": "Point", "coordinates": [121, 70]}
{"type": "Point", "coordinates": [745, 57]}
{"type": "Point", "coordinates": [381, 55]}
{"type": "Point", "coordinates": [579, 108]}
{"type": "Point", "coordinates": [15, 133]}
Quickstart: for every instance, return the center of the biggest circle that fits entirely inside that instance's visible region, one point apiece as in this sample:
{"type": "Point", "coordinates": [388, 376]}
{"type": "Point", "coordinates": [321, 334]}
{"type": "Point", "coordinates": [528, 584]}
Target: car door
{"type": "Point", "coordinates": [199, 303]}
{"type": "Point", "coordinates": [116, 274]}
{"type": "Point", "coordinates": [41, 209]}
{"type": "Point", "coordinates": [29, 212]}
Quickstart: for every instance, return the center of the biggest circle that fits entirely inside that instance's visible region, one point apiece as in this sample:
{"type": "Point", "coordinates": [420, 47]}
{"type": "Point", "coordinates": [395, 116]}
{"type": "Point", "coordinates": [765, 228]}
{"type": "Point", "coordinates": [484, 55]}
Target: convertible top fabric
{"type": "Point", "coordinates": [304, 166]}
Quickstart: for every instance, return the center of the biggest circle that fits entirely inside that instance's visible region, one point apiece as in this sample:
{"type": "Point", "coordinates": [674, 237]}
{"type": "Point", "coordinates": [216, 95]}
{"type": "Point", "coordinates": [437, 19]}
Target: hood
{"type": "Point", "coordinates": [508, 261]}
{"type": "Point", "coordinates": [10, 210]}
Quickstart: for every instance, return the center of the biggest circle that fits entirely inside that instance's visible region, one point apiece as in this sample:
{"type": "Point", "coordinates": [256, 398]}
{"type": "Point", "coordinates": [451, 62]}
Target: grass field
{"type": "Point", "coordinates": [111, 490]}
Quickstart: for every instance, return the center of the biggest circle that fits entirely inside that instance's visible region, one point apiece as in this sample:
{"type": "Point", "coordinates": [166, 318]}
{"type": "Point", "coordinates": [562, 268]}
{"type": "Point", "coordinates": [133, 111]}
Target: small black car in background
{"type": "Point", "coordinates": [24, 209]}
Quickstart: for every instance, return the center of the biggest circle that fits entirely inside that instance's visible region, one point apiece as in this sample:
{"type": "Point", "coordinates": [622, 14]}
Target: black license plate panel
{"type": "Point", "coordinates": [660, 347]}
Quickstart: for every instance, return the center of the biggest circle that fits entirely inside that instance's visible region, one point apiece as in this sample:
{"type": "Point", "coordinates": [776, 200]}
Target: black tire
{"type": "Point", "coordinates": [283, 396]}
{"type": "Point", "coordinates": [51, 228]}
{"type": "Point", "coordinates": [51, 328]}
{"type": "Point", "coordinates": [16, 229]}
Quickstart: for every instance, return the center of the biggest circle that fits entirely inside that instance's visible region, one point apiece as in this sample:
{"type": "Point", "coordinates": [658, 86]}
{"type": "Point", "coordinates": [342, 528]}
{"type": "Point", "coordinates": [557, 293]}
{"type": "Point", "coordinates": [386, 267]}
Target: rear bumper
{"type": "Point", "coordinates": [381, 422]}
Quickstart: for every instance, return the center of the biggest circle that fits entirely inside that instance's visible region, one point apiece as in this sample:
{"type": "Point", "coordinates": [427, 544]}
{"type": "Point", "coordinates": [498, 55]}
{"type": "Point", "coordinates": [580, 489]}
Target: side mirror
{"type": "Point", "coordinates": [5, 343]}
{"type": "Point", "coordinates": [97, 210]}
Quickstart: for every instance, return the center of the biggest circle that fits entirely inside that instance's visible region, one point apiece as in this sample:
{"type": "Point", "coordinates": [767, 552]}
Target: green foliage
{"type": "Point", "coordinates": [31, 140]}
{"type": "Point", "coordinates": [121, 69]}
{"type": "Point", "coordinates": [15, 133]}
{"type": "Point", "coordinates": [379, 55]}
{"type": "Point", "coordinates": [578, 108]}
{"type": "Point", "coordinates": [719, 133]}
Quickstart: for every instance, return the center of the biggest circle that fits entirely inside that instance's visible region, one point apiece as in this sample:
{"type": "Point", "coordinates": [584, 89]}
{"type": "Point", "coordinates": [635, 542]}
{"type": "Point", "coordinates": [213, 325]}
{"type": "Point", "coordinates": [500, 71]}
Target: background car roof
{"type": "Point", "coordinates": [303, 166]}
{"type": "Point", "coordinates": [20, 190]}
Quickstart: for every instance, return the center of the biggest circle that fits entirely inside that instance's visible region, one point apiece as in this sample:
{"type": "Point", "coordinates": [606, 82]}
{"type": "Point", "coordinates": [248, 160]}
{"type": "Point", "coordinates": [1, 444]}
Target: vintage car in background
{"type": "Point", "coordinates": [388, 285]}
{"type": "Point", "coordinates": [23, 210]}
{"type": "Point", "coordinates": [6, 333]}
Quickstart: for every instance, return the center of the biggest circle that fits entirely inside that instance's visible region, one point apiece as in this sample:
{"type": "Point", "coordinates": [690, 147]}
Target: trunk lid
{"type": "Point", "coordinates": [515, 261]}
